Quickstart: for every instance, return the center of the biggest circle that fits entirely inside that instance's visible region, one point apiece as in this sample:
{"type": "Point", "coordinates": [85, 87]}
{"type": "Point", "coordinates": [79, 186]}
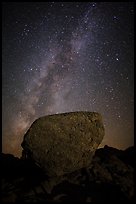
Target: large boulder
{"type": "Point", "coordinates": [63, 143]}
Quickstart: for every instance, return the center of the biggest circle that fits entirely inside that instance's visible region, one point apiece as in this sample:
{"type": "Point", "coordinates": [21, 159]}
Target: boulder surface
{"type": "Point", "coordinates": [63, 143]}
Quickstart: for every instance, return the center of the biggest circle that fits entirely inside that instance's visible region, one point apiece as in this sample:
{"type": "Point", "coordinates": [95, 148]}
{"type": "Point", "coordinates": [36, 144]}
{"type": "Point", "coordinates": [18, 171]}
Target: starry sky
{"type": "Point", "coordinates": [63, 57]}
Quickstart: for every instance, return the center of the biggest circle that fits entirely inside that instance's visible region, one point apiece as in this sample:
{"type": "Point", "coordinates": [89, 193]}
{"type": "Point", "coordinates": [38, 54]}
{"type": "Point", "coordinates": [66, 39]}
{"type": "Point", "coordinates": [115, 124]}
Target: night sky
{"type": "Point", "coordinates": [63, 57]}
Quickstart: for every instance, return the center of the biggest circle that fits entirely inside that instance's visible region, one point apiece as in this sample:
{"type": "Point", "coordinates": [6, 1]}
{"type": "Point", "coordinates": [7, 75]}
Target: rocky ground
{"type": "Point", "coordinates": [110, 178]}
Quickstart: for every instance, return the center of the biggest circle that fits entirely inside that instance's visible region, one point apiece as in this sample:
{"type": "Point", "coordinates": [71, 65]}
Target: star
{"type": "Point", "coordinates": [67, 56]}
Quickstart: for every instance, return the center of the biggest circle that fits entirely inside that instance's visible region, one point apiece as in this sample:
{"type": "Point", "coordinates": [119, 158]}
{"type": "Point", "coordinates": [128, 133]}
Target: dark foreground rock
{"type": "Point", "coordinates": [64, 143]}
{"type": "Point", "coordinates": [109, 178]}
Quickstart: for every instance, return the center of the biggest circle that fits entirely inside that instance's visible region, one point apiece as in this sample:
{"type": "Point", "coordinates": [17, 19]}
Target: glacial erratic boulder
{"type": "Point", "coordinates": [63, 143]}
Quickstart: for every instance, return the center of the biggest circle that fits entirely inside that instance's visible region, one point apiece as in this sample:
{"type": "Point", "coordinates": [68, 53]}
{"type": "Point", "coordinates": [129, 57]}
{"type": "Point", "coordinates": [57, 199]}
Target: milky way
{"type": "Point", "coordinates": [63, 57]}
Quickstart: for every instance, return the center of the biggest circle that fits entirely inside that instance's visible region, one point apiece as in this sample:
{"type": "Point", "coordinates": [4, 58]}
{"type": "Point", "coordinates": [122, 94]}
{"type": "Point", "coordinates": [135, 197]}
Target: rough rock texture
{"type": "Point", "coordinates": [107, 180]}
{"type": "Point", "coordinates": [63, 143]}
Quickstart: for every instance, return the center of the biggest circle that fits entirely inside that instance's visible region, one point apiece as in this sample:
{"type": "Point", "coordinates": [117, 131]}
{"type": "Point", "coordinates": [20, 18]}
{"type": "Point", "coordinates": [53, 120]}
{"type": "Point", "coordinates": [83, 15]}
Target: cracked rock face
{"type": "Point", "coordinates": [63, 143]}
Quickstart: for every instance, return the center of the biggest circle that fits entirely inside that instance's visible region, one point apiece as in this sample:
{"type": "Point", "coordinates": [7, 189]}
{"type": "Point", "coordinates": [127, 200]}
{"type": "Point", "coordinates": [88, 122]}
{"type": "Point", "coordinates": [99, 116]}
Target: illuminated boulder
{"type": "Point", "coordinates": [63, 143]}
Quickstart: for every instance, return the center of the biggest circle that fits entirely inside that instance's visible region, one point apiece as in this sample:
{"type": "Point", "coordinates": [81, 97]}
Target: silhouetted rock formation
{"type": "Point", "coordinates": [63, 143]}
{"type": "Point", "coordinates": [108, 179]}
{"type": "Point", "coordinates": [108, 166]}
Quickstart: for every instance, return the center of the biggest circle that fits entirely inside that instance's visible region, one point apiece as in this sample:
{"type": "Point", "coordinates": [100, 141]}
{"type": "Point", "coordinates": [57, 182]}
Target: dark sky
{"type": "Point", "coordinates": [67, 56]}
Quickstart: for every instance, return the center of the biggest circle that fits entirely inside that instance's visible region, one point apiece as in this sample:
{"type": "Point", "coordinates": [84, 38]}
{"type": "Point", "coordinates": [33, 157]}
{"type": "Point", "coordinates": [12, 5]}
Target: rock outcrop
{"type": "Point", "coordinates": [110, 178]}
{"type": "Point", "coordinates": [63, 143]}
